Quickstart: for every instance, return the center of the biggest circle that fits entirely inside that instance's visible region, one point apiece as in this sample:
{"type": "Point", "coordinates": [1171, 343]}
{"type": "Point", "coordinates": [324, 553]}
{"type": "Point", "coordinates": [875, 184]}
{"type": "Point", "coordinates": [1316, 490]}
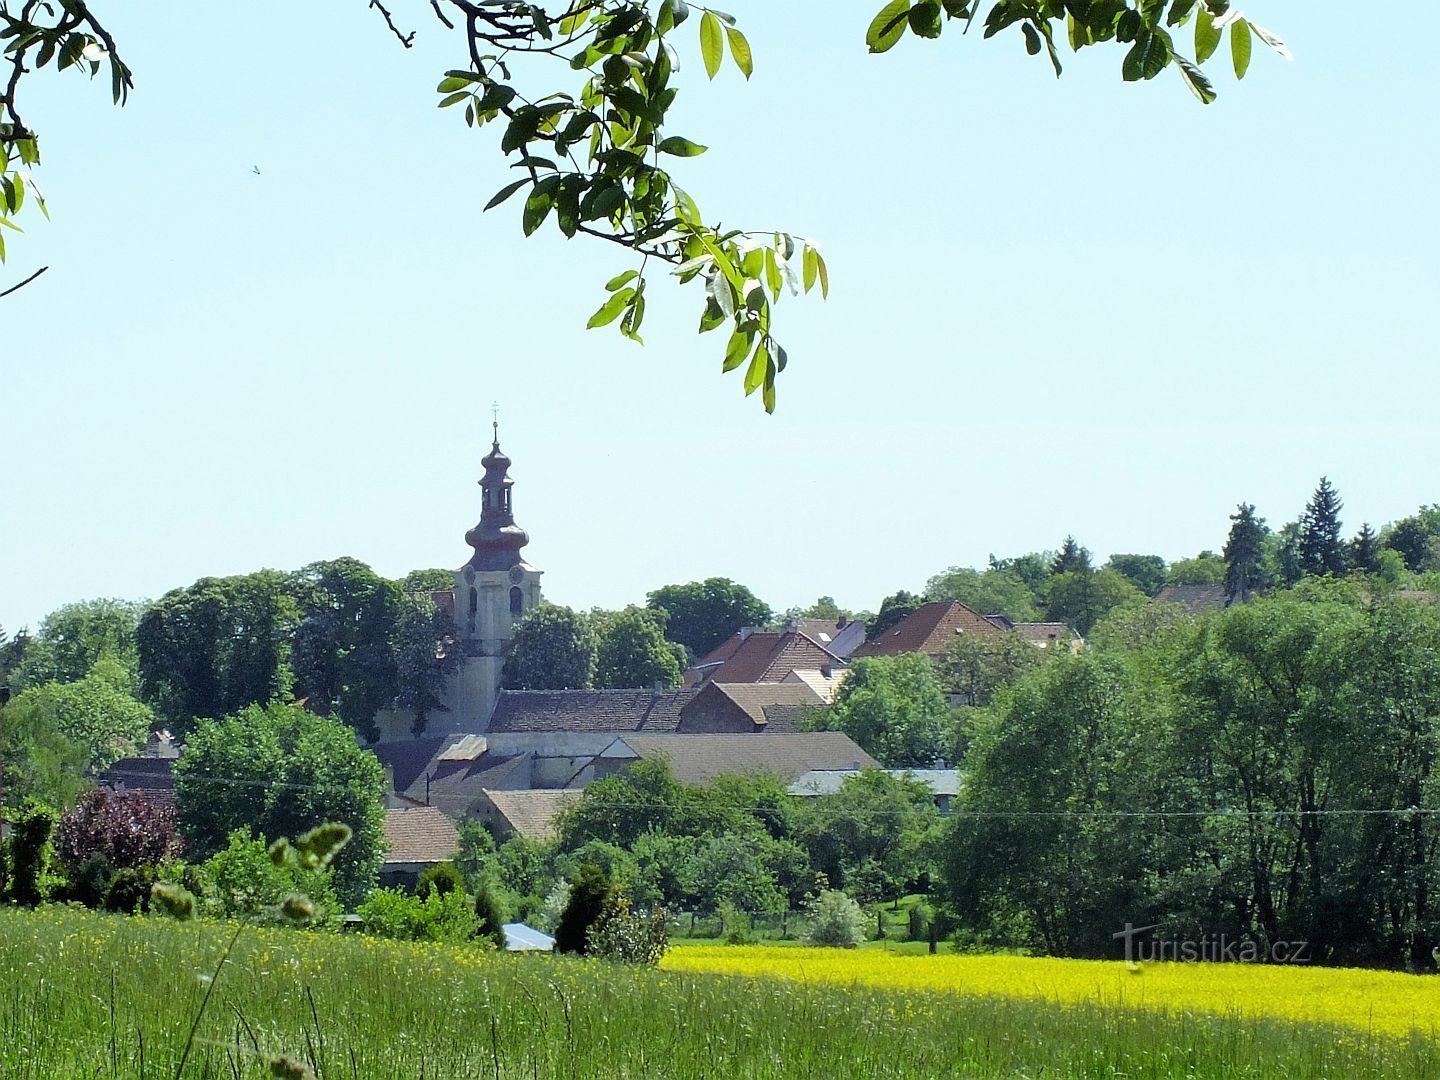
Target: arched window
{"type": "Point", "coordinates": [517, 601]}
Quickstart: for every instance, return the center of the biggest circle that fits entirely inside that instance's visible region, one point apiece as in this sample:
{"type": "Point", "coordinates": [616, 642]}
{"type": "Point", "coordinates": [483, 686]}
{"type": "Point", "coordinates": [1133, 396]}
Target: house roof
{"type": "Point", "coordinates": [825, 687]}
{"type": "Point", "coordinates": [154, 776]}
{"type": "Point", "coordinates": [829, 781]}
{"type": "Point", "coordinates": [774, 706]}
{"type": "Point", "coordinates": [588, 710]}
{"type": "Point", "coordinates": [1042, 633]}
{"type": "Point", "coordinates": [841, 638]}
{"type": "Point", "coordinates": [699, 759]}
{"type": "Point", "coordinates": [532, 814]}
{"type": "Point", "coordinates": [446, 771]}
{"type": "Point", "coordinates": [420, 834]}
{"type": "Point", "coordinates": [761, 656]}
{"type": "Point", "coordinates": [1196, 599]}
{"type": "Point", "coordinates": [929, 629]}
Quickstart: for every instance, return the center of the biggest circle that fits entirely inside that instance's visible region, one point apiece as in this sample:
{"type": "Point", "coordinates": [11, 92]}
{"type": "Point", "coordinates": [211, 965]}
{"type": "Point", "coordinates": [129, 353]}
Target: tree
{"type": "Point", "coordinates": [1145, 572]}
{"type": "Point", "coordinates": [489, 914]}
{"type": "Point", "coordinates": [892, 609]}
{"type": "Point", "coordinates": [1412, 538]}
{"type": "Point", "coordinates": [1364, 551]}
{"type": "Point", "coordinates": [97, 713]}
{"type": "Point", "coordinates": [1071, 556]}
{"type": "Point", "coordinates": [1207, 568]}
{"type": "Point", "coordinates": [1322, 551]}
{"type": "Point", "coordinates": [894, 708]}
{"type": "Point", "coordinates": [343, 656]}
{"type": "Point", "coordinates": [702, 614]}
{"type": "Point", "coordinates": [976, 666]}
{"type": "Point", "coordinates": [72, 638]}
{"type": "Point", "coordinates": [282, 770]}
{"type": "Point", "coordinates": [1283, 551]}
{"type": "Point", "coordinates": [612, 184]}
{"type": "Point", "coordinates": [553, 648]}
{"type": "Point", "coordinates": [1081, 598]}
{"type": "Point", "coordinates": [1245, 570]}
{"type": "Point", "coordinates": [589, 891]}
{"type": "Point", "coordinates": [39, 762]}
{"type": "Point", "coordinates": [425, 656]}
{"type": "Point", "coordinates": [631, 650]}
{"type": "Point", "coordinates": [1033, 568]}
{"type": "Point", "coordinates": [425, 582]}
{"type": "Point", "coordinates": [217, 646]}
{"type": "Point", "coordinates": [128, 830]}
{"type": "Point", "coordinates": [990, 592]}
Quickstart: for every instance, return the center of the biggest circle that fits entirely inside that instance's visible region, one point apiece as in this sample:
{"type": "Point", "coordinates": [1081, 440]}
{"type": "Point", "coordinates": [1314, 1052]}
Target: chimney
{"type": "Point", "coordinates": [855, 766]}
{"type": "Point", "coordinates": [659, 686]}
{"type": "Point", "coordinates": [826, 671]}
{"type": "Point", "coordinates": [746, 631]}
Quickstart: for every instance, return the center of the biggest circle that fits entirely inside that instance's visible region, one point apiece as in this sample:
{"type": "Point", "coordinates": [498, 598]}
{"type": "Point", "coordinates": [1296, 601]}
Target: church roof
{"type": "Point", "coordinates": [588, 710]}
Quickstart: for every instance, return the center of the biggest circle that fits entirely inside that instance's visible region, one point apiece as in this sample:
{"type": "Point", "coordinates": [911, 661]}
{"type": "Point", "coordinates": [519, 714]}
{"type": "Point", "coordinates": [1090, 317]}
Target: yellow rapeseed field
{"type": "Point", "coordinates": [1379, 1002]}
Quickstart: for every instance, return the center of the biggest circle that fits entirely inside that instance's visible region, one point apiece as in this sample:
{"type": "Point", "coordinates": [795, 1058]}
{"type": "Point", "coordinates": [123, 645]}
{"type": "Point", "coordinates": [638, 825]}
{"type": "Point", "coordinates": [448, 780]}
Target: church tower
{"type": "Point", "coordinates": [493, 591]}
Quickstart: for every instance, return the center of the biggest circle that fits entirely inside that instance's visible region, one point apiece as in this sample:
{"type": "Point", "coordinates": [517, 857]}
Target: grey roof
{"type": "Point", "coordinates": [420, 835]}
{"type": "Point", "coordinates": [423, 774]}
{"type": "Point", "coordinates": [1196, 599]}
{"type": "Point", "coordinates": [154, 776]}
{"type": "Point", "coordinates": [829, 781]}
{"type": "Point", "coordinates": [532, 814]}
{"type": "Point", "coordinates": [775, 706]}
{"type": "Point", "coordinates": [699, 759]}
{"type": "Point", "coordinates": [522, 938]}
{"type": "Point", "coordinates": [589, 710]}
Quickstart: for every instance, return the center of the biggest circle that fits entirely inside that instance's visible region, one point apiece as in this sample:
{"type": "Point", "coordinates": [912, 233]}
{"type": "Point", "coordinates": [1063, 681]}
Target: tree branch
{"type": "Point", "coordinates": [32, 277]}
{"type": "Point", "coordinates": [405, 39]}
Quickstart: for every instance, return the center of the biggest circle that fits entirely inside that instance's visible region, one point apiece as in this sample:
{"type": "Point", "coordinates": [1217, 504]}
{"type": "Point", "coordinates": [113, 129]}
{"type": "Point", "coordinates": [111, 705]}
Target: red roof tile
{"type": "Point", "coordinates": [929, 629]}
{"type": "Point", "coordinates": [761, 656]}
{"type": "Point", "coordinates": [420, 834]}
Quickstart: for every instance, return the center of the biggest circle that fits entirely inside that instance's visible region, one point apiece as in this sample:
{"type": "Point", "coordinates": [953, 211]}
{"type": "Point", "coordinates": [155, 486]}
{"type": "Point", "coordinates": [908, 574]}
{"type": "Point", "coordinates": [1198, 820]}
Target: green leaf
{"type": "Point", "coordinates": [1207, 35]}
{"type": "Point", "coordinates": [712, 43]}
{"type": "Point", "coordinates": [810, 267]}
{"type": "Point", "coordinates": [1271, 40]}
{"type": "Point", "coordinates": [755, 373]}
{"type": "Point", "coordinates": [773, 280]}
{"type": "Point", "coordinates": [1147, 57]}
{"type": "Point", "coordinates": [723, 293]}
{"type": "Point", "coordinates": [740, 50]}
{"type": "Point", "coordinates": [737, 349]}
{"type": "Point", "coordinates": [680, 147]}
{"type": "Point", "coordinates": [824, 276]}
{"type": "Point", "coordinates": [1179, 11]}
{"type": "Point", "coordinates": [450, 85]}
{"type": "Point", "coordinates": [1195, 79]}
{"type": "Point", "coordinates": [537, 206]}
{"type": "Point", "coordinates": [620, 279]}
{"type": "Point", "coordinates": [888, 26]}
{"type": "Point", "coordinates": [451, 99]}
{"type": "Point", "coordinates": [1033, 44]}
{"type": "Point", "coordinates": [924, 19]}
{"type": "Point", "coordinates": [768, 394]}
{"type": "Point", "coordinates": [505, 193]}
{"type": "Point", "coordinates": [1240, 46]}
{"type": "Point", "coordinates": [611, 309]}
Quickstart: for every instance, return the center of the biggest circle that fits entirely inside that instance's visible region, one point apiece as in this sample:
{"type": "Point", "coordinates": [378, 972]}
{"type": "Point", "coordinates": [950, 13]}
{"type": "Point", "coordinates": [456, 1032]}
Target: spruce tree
{"type": "Point", "coordinates": [1322, 551]}
{"type": "Point", "coordinates": [1071, 557]}
{"type": "Point", "coordinates": [489, 914]}
{"type": "Point", "coordinates": [1365, 550]}
{"type": "Point", "coordinates": [1245, 572]}
{"type": "Point", "coordinates": [589, 893]}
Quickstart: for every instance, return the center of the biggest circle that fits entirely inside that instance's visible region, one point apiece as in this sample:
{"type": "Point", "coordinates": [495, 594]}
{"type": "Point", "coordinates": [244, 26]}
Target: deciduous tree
{"type": "Point", "coordinates": [894, 708]}
{"type": "Point", "coordinates": [553, 648]}
{"type": "Point", "coordinates": [631, 650]}
{"type": "Point", "coordinates": [702, 614]}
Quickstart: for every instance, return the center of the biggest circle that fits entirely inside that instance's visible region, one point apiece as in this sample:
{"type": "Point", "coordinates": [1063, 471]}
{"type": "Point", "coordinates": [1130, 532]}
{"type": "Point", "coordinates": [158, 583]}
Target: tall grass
{"type": "Point", "coordinates": [85, 995]}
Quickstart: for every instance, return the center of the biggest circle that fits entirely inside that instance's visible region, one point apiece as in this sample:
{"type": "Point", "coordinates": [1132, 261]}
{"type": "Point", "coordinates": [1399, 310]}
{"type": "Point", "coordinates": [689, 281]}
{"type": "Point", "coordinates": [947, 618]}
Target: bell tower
{"type": "Point", "coordinates": [493, 590]}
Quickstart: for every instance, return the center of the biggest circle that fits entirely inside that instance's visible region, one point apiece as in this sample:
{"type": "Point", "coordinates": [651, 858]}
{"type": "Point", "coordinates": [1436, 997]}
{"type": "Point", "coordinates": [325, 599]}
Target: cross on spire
{"type": "Point", "coordinates": [495, 420]}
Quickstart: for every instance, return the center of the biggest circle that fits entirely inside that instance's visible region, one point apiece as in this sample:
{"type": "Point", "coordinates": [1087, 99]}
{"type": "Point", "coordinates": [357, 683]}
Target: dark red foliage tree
{"type": "Point", "coordinates": [128, 829]}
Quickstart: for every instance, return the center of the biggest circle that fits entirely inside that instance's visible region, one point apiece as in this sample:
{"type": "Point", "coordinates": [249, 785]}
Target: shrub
{"type": "Point", "coordinates": [128, 829]}
{"type": "Point", "coordinates": [489, 913]}
{"type": "Point", "coordinates": [588, 894]}
{"type": "Point", "coordinates": [129, 890]}
{"type": "Point", "coordinates": [622, 935]}
{"type": "Point", "coordinates": [554, 906]}
{"type": "Point", "coordinates": [734, 924]}
{"type": "Point", "coordinates": [441, 878]}
{"type": "Point", "coordinates": [836, 920]}
{"type": "Point", "coordinates": [87, 883]}
{"type": "Point", "coordinates": [395, 913]}
{"type": "Point", "coordinates": [29, 851]}
{"type": "Point", "coordinates": [246, 882]}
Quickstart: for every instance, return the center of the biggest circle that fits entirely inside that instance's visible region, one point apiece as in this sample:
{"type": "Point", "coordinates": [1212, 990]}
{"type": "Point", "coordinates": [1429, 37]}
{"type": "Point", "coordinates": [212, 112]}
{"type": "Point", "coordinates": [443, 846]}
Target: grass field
{"type": "Point", "coordinates": [85, 995]}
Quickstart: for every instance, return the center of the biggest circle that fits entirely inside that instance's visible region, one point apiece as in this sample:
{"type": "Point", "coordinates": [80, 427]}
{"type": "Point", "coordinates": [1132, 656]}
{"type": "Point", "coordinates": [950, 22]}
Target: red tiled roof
{"type": "Point", "coordinates": [929, 629]}
{"type": "Point", "coordinates": [420, 834]}
{"type": "Point", "coordinates": [762, 656]}
{"type": "Point", "coordinates": [771, 701]}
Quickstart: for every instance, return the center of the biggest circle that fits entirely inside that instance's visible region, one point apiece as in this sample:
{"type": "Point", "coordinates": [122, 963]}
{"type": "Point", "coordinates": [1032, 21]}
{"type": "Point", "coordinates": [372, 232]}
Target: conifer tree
{"type": "Point", "coordinates": [1071, 557]}
{"type": "Point", "coordinates": [1245, 572]}
{"type": "Point", "coordinates": [489, 914]}
{"type": "Point", "coordinates": [1364, 552]}
{"type": "Point", "coordinates": [1322, 551]}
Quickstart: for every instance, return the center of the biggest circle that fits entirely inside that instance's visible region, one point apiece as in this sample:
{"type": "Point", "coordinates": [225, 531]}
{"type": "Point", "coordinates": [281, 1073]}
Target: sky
{"type": "Point", "coordinates": [276, 318]}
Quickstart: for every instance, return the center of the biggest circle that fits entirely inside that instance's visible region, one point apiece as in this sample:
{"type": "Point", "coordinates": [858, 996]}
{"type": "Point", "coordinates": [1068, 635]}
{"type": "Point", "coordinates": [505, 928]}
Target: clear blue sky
{"type": "Point", "coordinates": [1068, 306]}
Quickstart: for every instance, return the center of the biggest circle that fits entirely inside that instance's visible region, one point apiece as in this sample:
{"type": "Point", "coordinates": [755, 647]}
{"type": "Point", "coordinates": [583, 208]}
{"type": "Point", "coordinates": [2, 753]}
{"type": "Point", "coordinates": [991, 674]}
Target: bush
{"type": "Point", "coordinates": [395, 913]}
{"type": "Point", "coordinates": [87, 883]}
{"type": "Point", "coordinates": [836, 920]}
{"type": "Point", "coordinates": [245, 881]}
{"type": "Point", "coordinates": [734, 924]}
{"type": "Point", "coordinates": [589, 893]}
{"type": "Point", "coordinates": [441, 878]}
{"type": "Point", "coordinates": [489, 914]}
{"type": "Point", "coordinates": [620, 934]}
{"type": "Point", "coordinates": [128, 829]}
{"type": "Point", "coordinates": [554, 907]}
{"type": "Point", "coordinates": [29, 851]}
{"type": "Point", "coordinates": [129, 890]}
